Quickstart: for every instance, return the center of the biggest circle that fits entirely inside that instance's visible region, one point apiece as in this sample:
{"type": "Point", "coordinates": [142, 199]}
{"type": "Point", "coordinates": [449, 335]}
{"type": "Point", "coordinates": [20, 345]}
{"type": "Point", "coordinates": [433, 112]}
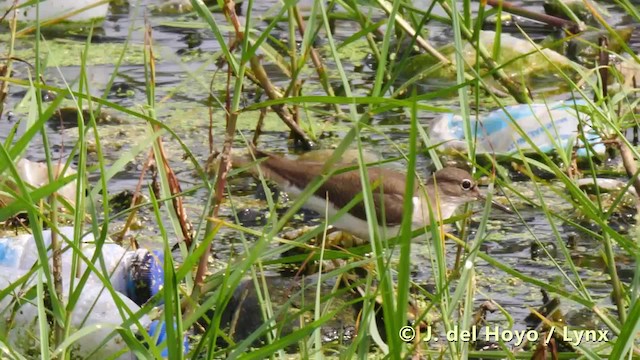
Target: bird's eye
{"type": "Point", "coordinates": [466, 184]}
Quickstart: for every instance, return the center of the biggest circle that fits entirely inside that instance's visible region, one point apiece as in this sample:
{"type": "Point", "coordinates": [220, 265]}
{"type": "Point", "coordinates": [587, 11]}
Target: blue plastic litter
{"type": "Point", "coordinates": [549, 126]}
{"type": "Point", "coordinates": [95, 308]}
{"type": "Point", "coordinates": [136, 276]}
{"type": "Point", "coordinates": [158, 329]}
{"type": "Point", "coordinates": [144, 276]}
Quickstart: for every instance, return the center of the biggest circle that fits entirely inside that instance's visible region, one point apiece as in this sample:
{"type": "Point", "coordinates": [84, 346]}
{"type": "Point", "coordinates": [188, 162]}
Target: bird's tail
{"type": "Point", "coordinates": [248, 159]}
{"type": "Point", "coordinates": [259, 164]}
{"type": "Point", "coordinates": [243, 159]}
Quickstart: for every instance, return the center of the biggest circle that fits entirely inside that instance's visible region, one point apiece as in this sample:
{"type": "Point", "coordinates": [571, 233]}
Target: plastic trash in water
{"type": "Point", "coordinates": [158, 329]}
{"type": "Point", "coordinates": [23, 328]}
{"type": "Point", "coordinates": [136, 276]}
{"type": "Point", "coordinates": [77, 11]}
{"type": "Point", "coordinates": [549, 126]}
{"type": "Point", "coordinates": [36, 174]}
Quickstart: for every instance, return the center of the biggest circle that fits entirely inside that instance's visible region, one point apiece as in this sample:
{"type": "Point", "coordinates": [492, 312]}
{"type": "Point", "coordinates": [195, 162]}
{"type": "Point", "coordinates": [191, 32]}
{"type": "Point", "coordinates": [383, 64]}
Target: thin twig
{"type": "Point", "coordinates": [281, 110]}
{"type": "Point", "coordinates": [258, 131]}
{"type": "Point", "coordinates": [135, 201]}
{"type": "Point", "coordinates": [225, 160]}
{"type": "Point", "coordinates": [571, 26]}
{"type": "Point", "coordinates": [172, 179]}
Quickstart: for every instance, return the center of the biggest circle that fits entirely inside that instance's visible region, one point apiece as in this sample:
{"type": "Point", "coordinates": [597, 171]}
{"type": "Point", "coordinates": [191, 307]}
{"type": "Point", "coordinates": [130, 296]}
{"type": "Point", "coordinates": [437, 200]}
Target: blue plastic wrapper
{"type": "Point", "coordinates": [549, 126]}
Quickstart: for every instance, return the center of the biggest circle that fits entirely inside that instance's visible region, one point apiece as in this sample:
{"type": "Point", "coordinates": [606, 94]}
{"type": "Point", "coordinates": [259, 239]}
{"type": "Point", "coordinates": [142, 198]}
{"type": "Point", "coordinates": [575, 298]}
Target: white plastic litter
{"type": "Point", "coordinates": [549, 126]}
{"type": "Point", "coordinates": [36, 174]}
{"type": "Point", "coordinates": [50, 9]}
{"type": "Point", "coordinates": [20, 252]}
{"type": "Point", "coordinates": [23, 330]}
{"type": "Point", "coordinates": [135, 276]}
{"type": "Point", "coordinates": [606, 185]}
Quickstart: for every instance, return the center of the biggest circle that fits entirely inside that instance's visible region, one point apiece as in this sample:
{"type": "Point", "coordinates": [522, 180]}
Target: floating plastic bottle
{"type": "Point", "coordinates": [135, 276]}
{"type": "Point", "coordinates": [548, 126]}
{"type": "Point", "coordinates": [23, 329]}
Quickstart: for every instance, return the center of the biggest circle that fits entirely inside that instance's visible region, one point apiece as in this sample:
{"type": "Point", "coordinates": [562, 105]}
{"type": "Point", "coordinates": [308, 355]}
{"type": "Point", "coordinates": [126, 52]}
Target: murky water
{"type": "Point", "coordinates": [183, 76]}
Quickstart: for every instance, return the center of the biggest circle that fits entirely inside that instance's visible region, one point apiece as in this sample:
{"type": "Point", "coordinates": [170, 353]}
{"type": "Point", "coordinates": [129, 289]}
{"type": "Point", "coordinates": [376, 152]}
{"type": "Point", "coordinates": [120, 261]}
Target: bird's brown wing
{"type": "Point", "coordinates": [388, 191]}
{"type": "Point", "coordinates": [388, 194]}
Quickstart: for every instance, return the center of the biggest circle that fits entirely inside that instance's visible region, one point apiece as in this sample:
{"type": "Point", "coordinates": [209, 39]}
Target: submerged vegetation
{"type": "Point", "coordinates": [122, 129]}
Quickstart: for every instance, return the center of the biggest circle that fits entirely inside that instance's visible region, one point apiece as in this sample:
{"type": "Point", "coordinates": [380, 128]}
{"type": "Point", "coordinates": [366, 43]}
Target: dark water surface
{"type": "Point", "coordinates": [183, 79]}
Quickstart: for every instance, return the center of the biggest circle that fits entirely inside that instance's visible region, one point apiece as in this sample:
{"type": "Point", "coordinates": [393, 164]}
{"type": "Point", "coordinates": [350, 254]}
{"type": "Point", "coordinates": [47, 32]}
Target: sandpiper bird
{"type": "Point", "coordinates": [445, 191]}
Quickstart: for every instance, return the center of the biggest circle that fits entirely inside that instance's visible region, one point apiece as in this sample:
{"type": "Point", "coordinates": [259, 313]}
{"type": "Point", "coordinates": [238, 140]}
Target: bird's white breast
{"type": "Point", "coordinates": [446, 207]}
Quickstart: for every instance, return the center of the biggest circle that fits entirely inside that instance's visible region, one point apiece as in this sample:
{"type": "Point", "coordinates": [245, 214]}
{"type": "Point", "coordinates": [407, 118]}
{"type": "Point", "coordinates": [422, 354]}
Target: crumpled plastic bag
{"type": "Point", "coordinates": [36, 175]}
{"type": "Point", "coordinates": [549, 126]}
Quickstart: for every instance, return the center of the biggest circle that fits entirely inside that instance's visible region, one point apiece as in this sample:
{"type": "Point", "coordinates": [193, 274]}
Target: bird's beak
{"type": "Point", "coordinates": [496, 205]}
